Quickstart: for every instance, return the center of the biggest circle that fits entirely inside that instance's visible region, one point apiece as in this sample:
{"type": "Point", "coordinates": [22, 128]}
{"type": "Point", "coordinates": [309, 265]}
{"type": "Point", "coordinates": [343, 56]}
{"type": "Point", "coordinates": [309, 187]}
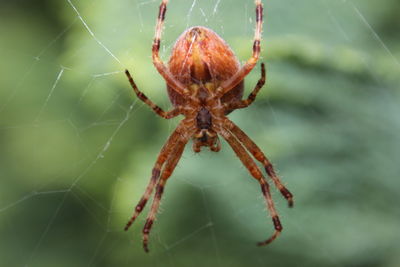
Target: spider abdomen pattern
{"type": "Point", "coordinates": [201, 56]}
{"type": "Point", "coordinates": [205, 83]}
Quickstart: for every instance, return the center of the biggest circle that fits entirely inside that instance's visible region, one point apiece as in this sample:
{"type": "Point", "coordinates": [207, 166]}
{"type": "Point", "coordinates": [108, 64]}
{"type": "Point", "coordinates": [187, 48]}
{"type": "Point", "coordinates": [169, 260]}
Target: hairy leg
{"type": "Point", "coordinates": [249, 163]}
{"type": "Point", "coordinates": [160, 66]}
{"type": "Point", "coordinates": [165, 152]}
{"type": "Point", "coordinates": [252, 96]}
{"type": "Point", "coordinates": [165, 114]}
{"type": "Point", "coordinates": [259, 155]}
{"type": "Point", "coordinates": [249, 65]}
{"type": "Point", "coordinates": [166, 173]}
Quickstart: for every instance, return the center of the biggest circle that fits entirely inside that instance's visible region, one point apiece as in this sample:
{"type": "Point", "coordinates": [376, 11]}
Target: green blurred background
{"type": "Point", "coordinates": [77, 148]}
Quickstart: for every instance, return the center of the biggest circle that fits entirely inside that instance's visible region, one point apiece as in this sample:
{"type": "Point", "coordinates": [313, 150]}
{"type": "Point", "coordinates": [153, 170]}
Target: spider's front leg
{"type": "Point", "coordinates": [166, 173]}
{"type": "Point", "coordinates": [162, 157]}
{"type": "Point", "coordinates": [259, 155]}
{"type": "Point", "coordinates": [165, 114]}
{"type": "Point", "coordinates": [249, 163]}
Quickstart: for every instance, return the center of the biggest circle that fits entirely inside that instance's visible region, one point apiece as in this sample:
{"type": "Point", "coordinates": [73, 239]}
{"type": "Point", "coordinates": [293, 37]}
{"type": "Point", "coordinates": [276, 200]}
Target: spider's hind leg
{"type": "Point", "coordinates": [158, 63]}
{"type": "Point", "coordinates": [229, 84]}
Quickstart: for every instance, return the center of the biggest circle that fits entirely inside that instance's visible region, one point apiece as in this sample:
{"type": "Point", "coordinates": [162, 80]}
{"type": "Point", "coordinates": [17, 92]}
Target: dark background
{"type": "Point", "coordinates": [78, 148]}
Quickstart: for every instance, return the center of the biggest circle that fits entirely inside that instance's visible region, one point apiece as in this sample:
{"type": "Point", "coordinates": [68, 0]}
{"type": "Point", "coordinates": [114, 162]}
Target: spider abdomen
{"type": "Point", "coordinates": [201, 56]}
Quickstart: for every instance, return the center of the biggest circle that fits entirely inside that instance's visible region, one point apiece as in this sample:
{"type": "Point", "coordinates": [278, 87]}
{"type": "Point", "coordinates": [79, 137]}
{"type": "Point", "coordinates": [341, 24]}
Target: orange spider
{"type": "Point", "coordinates": [205, 83]}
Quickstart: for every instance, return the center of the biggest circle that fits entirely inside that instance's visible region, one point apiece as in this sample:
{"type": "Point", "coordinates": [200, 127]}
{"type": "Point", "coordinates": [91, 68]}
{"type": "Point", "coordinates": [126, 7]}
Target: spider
{"type": "Point", "coordinates": [205, 83]}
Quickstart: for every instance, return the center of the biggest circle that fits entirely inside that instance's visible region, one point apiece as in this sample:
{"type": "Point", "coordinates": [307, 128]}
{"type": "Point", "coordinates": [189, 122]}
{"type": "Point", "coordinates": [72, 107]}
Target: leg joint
{"type": "Point", "coordinates": [277, 223]}
{"type": "Point", "coordinates": [259, 13]}
{"type": "Point", "coordinates": [156, 45]}
{"type": "Point", "coordinates": [256, 47]}
{"type": "Point", "coordinates": [147, 226]}
{"type": "Point", "coordinates": [163, 10]}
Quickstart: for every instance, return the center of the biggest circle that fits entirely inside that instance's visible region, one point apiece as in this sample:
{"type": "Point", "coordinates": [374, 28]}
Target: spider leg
{"type": "Point", "coordinates": [165, 114]}
{"type": "Point", "coordinates": [249, 65]}
{"type": "Point", "coordinates": [249, 163]}
{"type": "Point", "coordinates": [162, 157]}
{"type": "Point", "coordinates": [259, 155]}
{"type": "Point", "coordinates": [252, 96]}
{"type": "Point", "coordinates": [158, 63]}
{"type": "Point", "coordinates": [166, 173]}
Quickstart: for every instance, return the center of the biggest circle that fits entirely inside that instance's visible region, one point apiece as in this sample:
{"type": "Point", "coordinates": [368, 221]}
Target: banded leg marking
{"type": "Point", "coordinates": [256, 173]}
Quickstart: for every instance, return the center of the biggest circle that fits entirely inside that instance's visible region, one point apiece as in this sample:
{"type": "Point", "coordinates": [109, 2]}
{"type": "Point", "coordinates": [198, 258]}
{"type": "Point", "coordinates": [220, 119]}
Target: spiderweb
{"type": "Point", "coordinates": [78, 147]}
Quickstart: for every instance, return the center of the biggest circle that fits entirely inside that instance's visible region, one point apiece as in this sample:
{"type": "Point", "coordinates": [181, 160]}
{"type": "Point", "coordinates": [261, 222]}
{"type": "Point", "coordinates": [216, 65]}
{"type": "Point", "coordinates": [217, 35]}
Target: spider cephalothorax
{"type": "Point", "coordinates": [205, 83]}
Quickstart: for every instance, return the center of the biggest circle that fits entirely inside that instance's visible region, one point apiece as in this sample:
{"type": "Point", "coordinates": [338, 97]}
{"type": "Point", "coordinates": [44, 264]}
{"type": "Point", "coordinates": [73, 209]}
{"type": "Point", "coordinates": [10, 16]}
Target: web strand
{"type": "Point", "coordinates": [91, 32]}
